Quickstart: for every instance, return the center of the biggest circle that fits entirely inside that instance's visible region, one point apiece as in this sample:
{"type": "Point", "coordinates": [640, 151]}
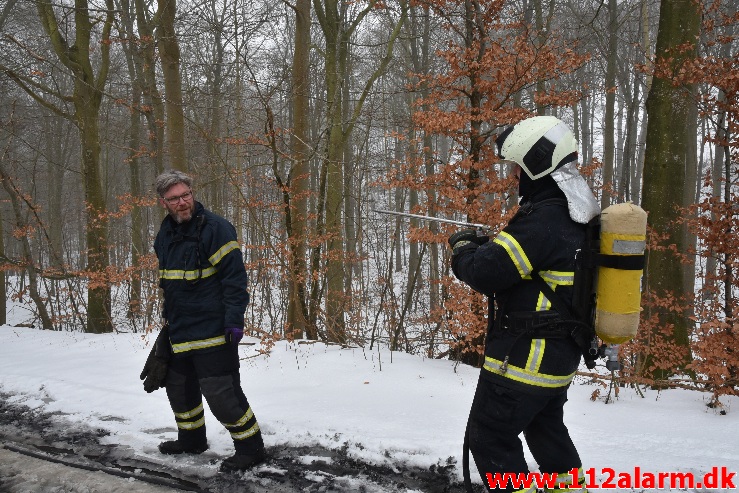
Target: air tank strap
{"type": "Point", "coordinates": [581, 332]}
{"type": "Point", "coordinates": [623, 262]}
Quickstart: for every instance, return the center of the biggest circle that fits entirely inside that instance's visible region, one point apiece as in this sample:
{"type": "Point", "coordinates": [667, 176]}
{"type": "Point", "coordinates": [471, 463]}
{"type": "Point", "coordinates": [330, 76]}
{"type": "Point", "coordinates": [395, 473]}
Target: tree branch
{"type": "Point", "coordinates": [51, 27]}
{"type": "Point", "coordinates": [22, 81]}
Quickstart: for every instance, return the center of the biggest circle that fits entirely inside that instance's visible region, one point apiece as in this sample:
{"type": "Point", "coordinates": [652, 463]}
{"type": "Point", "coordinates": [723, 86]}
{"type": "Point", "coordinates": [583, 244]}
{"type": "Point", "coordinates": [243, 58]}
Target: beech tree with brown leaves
{"type": "Point", "coordinates": [714, 219]}
{"type": "Point", "coordinates": [494, 61]}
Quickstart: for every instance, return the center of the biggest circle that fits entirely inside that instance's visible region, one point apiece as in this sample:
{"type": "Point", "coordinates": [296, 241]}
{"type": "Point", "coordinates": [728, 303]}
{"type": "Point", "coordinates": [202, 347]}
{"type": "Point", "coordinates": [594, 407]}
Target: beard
{"type": "Point", "coordinates": [182, 213]}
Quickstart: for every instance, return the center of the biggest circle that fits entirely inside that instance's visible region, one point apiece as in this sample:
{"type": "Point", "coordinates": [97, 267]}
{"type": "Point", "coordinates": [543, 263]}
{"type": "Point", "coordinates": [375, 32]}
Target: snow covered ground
{"type": "Point", "coordinates": [382, 407]}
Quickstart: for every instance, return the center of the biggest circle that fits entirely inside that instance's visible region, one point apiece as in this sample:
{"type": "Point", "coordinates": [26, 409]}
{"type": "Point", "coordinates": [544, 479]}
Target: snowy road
{"type": "Point", "coordinates": [21, 473]}
{"type": "Point", "coordinates": [42, 453]}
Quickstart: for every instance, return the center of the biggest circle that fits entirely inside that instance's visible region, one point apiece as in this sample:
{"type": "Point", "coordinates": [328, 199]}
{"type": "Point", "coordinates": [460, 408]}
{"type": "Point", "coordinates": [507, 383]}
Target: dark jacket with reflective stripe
{"type": "Point", "coordinates": [202, 274]}
{"type": "Point", "coordinates": [542, 238]}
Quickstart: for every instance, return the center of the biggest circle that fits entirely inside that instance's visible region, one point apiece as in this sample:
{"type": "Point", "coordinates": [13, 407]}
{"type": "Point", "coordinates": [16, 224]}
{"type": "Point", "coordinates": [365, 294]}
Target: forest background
{"type": "Point", "coordinates": [300, 119]}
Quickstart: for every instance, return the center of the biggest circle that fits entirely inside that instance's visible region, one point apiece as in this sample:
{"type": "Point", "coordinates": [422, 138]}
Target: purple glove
{"type": "Point", "coordinates": [234, 335]}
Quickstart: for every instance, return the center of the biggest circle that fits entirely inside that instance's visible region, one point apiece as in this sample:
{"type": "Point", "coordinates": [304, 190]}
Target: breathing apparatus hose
{"type": "Point", "coordinates": [466, 460]}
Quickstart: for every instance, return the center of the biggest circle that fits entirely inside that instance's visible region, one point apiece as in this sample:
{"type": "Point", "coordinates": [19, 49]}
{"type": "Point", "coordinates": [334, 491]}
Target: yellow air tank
{"type": "Point", "coordinates": [622, 243]}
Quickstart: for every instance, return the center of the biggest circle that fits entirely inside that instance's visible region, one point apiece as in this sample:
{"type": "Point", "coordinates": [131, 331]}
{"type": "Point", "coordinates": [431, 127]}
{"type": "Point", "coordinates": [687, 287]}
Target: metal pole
{"type": "Point", "coordinates": [482, 227]}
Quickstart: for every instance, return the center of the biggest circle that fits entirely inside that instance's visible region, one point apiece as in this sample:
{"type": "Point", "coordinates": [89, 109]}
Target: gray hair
{"type": "Point", "coordinates": [170, 178]}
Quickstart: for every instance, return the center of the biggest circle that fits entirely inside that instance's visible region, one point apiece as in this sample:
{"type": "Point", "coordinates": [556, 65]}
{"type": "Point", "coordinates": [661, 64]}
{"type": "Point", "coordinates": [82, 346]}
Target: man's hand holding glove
{"type": "Point", "coordinates": [155, 368]}
{"type": "Point", "coordinates": [465, 237]}
{"type": "Point", "coordinates": [234, 335]}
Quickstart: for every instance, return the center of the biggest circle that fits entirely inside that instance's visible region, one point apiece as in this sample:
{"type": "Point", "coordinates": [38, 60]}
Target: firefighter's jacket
{"type": "Point", "coordinates": [202, 274]}
{"type": "Point", "coordinates": [540, 238]}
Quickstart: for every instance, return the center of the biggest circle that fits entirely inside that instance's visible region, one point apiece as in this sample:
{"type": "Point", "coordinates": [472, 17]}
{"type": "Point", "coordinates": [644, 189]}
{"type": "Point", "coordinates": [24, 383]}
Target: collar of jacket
{"type": "Point", "coordinates": [528, 206]}
{"type": "Point", "coordinates": [548, 190]}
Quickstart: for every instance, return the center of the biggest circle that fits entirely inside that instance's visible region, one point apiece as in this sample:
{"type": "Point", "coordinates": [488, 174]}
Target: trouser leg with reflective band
{"type": "Point", "coordinates": [229, 405]}
{"type": "Point", "coordinates": [497, 418]}
{"type": "Point", "coordinates": [550, 443]}
{"type": "Point", "coordinates": [219, 382]}
{"type": "Point", "coordinates": [183, 391]}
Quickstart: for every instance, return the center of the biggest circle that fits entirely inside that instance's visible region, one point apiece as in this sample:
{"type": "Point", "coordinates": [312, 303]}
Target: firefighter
{"type": "Point", "coordinates": [529, 361]}
{"type": "Point", "coordinates": [204, 281]}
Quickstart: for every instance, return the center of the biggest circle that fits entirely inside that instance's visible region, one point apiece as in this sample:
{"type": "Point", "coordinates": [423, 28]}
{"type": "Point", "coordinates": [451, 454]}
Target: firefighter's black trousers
{"type": "Point", "coordinates": [215, 376]}
{"type": "Point", "coordinates": [497, 418]}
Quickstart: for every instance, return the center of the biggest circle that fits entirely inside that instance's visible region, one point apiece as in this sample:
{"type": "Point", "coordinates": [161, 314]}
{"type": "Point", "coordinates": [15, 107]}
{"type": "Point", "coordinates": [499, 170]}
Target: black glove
{"type": "Point", "coordinates": [155, 369]}
{"type": "Point", "coordinates": [465, 237]}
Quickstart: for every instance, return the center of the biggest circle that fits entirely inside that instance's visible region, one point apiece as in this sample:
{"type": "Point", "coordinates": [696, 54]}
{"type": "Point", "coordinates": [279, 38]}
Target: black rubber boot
{"type": "Point", "coordinates": [175, 447]}
{"type": "Point", "coordinates": [242, 462]}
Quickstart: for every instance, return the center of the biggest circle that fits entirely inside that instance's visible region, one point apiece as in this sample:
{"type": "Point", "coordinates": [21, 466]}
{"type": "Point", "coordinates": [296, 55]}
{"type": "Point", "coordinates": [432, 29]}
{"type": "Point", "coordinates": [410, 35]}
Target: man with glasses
{"type": "Point", "coordinates": [203, 278]}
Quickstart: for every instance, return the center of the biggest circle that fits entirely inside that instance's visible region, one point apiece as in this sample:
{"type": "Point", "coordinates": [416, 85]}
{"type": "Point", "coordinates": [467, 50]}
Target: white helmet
{"type": "Point", "coordinates": [539, 145]}
{"type": "Point", "coordinates": [545, 145]}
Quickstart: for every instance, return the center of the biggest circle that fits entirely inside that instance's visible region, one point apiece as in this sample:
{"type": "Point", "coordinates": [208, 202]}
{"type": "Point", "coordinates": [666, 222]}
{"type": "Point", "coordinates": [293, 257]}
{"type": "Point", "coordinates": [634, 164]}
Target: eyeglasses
{"type": "Point", "coordinates": [175, 200]}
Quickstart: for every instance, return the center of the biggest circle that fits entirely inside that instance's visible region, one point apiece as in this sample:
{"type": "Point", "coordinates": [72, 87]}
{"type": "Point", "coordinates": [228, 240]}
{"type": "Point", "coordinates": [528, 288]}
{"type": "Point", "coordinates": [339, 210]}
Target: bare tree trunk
{"type": "Point", "coordinates": [350, 200]}
{"type": "Point", "coordinates": [154, 107]}
{"type": "Point", "coordinates": [335, 272]}
{"type": "Point", "coordinates": [414, 255]}
{"type": "Point", "coordinates": [542, 33]}
{"type": "Point", "coordinates": [240, 156]}
{"type": "Point", "coordinates": [609, 119]}
{"type": "Point", "coordinates": [629, 153]}
{"type": "Point", "coordinates": [420, 40]}
{"type": "Point", "coordinates": [55, 130]}
{"type": "Point", "coordinates": [316, 289]}
{"type": "Point", "coordinates": [337, 31]}
{"type": "Point", "coordinates": [28, 262]}
{"type": "Point", "coordinates": [169, 53]}
{"type": "Point", "coordinates": [138, 241]}
{"type": "Point", "coordinates": [717, 172]}
{"type": "Point", "coordinates": [399, 197]}
{"type": "Point", "coordinates": [689, 193]}
{"type": "Point", "coordinates": [665, 161]}
{"type": "Point", "coordinates": [585, 140]}
{"type": "Point", "coordinates": [729, 269]}
{"type": "Point", "coordinates": [3, 276]}
{"type": "Point", "coordinates": [216, 166]}
{"type": "Point", "coordinates": [99, 296]}
{"type": "Point", "coordinates": [642, 142]}
{"type": "Point", "coordinates": [297, 210]}
{"type": "Point", "coordinates": [335, 58]}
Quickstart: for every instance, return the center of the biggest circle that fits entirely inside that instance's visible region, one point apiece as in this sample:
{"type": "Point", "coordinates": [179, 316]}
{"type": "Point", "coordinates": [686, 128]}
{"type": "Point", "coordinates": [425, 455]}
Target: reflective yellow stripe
{"type": "Point", "coordinates": [191, 425]}
{"type": "Point", "coordinates": [565, 479]}
{"type": "Point", "coordinates": [518, 256]}
{"type": "Point", "coordinates": [542, 303]}
{"type": "Point", "coordinates": [190, 414]}
{"type": "Point", "coordinates": [247, 433]}
{"type": "Point", "coordinates": [553, 278]}
{"type": "Point", "coordinates": [188, 346]}
{"type": "Point", "coordinates": [222, 252]}
{"type": "Point", "coordinates": [188, 275]}
{"type": "Point", "coordinates": [527, 376]}
{"type": "Point", "coordinates": [558, 278]}
{"type": "Point", "coordinates": [242, 421]}
{"type": "Point", "coordinates": [536, 354]}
